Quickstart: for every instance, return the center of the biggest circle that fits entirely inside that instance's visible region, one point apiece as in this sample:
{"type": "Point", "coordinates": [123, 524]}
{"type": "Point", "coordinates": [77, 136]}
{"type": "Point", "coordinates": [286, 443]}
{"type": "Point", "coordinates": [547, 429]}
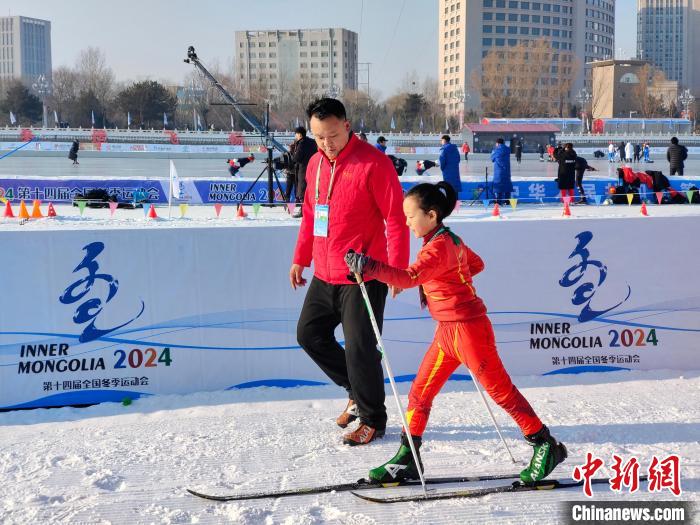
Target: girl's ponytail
{"type": "Point", "coordinates": [440, 197]}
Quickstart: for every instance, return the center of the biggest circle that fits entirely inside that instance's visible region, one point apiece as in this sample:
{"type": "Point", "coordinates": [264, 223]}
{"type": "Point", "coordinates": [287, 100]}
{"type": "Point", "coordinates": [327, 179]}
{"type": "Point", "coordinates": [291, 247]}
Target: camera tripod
{"type": "Point", "coordinates": [271, 173]}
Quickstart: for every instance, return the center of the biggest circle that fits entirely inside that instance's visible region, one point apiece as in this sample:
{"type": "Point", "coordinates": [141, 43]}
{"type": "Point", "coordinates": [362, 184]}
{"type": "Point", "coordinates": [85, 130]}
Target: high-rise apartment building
{"type": "Point", "coordinates": [315, 60]}
{"type": "Point", "coordinates": [668, 36]}
{"type": "Point", "coordinates": [469, 29]}
{"type": "Point", "coordinates": [25, 48]}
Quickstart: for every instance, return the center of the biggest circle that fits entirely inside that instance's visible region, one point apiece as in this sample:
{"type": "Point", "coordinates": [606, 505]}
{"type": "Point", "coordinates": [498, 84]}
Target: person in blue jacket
{"type": "Point", "coordinates": [502, 185]}
{"type": "Point", "coordinates": [449, 163]}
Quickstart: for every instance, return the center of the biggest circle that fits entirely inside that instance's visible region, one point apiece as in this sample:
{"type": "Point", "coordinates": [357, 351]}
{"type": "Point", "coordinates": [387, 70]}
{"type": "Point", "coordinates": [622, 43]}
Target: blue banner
{"type": "Point", "coordinates": [210, 191]}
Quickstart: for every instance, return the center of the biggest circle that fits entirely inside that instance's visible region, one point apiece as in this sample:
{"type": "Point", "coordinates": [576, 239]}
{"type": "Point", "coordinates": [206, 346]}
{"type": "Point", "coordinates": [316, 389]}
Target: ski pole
{"type": "Point", "coordinates": [385, 357]}
{"type": "Point", "coordinates": [488, 408]}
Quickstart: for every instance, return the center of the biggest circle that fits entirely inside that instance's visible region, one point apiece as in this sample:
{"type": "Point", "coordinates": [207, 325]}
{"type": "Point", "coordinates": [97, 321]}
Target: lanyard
{"type": "Point", "coordinates": [318, 179]}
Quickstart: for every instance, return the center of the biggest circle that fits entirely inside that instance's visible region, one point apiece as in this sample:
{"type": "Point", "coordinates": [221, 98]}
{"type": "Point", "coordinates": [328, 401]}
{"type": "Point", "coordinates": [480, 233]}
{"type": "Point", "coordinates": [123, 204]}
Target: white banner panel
{"type": "Point", "coordinates": [91, 316]}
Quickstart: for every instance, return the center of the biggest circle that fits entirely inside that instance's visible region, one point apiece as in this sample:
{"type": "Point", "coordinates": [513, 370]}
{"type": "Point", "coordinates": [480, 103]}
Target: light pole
{"type": "Point", "coordinates": [686, 99]}
{"type": "Point", "coordinates": [584, 97]}
{"type": "Point", "coordinates": [459, 96]}
{"type": "Point", "coordinates": [41, 86]}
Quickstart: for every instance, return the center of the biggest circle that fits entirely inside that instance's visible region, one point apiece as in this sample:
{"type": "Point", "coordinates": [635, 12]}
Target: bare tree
{"type": "Point", "coordinates": [646, 93]}
{"type": "Point", "coordinates": [435, 110]}
{"type": "Point", "coordinates": [525, 80]}
{"type": "Point", "coordinates": [65, 84]}
{"type": "Point", "coordinates": [95, 76]}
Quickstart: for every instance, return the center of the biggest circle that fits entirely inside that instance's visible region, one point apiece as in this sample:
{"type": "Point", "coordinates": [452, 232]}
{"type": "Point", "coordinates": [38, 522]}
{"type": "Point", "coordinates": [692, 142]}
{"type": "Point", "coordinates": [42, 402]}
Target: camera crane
{"type": "Point", "coordinates": [270, 142]}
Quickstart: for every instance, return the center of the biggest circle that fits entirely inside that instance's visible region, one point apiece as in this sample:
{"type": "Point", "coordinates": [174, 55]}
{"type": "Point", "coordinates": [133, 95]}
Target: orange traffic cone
{"type": "Point", "coordinates": [644, 209]}
{"type": "Point", "coordinates": [240, 213]}
{"type": "Point", "coordinates": [51, 212]}
{"type": "Point", "coordinates": [152, 212]}
{"type": "Point", "coordinates": [567, 210]}
{"type": "Point", "coordinates": [36, 210]}
{"type": "Point", "coordinates": [23, 213]}
{"type": "Point", "coordinates": [8, 211]}
{"type": "Point", "coordinates": [496, 211]}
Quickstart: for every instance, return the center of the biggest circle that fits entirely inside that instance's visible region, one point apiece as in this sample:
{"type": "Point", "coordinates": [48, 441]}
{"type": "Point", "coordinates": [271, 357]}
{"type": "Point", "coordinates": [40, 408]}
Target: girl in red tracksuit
{"type": "Point", "coordinates": [443, 272]}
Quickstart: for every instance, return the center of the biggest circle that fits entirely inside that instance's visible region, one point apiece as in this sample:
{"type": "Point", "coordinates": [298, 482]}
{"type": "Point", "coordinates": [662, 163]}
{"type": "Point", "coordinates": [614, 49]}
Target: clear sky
{"type": "Point", "coordinates": [148, 38]}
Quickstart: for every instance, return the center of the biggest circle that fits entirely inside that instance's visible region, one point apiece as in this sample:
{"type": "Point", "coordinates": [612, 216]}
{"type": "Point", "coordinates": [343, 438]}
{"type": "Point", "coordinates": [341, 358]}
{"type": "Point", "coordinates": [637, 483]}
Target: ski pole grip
{"type": "Point", "coordinates": [358, 277]}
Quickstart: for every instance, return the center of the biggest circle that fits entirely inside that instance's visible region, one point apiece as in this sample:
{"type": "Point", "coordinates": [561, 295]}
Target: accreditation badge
{"type": "Point", "coordinates": [321, 220]}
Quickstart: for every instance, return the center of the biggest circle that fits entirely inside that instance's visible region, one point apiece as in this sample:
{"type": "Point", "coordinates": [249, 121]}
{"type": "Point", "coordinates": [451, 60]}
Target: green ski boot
{"type": "Point", "coordinates": [547, 455]}
{"type": "Point", "coordinates": [401, 467]}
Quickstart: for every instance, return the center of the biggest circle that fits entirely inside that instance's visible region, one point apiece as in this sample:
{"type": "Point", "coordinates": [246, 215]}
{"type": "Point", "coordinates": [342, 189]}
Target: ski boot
{"type": "Point", "coordinates": [548, 454]}
{"type": "Point", "coordinates": [401, 467]}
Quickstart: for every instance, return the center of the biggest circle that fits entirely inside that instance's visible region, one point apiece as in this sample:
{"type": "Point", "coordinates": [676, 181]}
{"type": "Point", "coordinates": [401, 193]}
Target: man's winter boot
{"type": "Point", "coordinates": [349, 415]}
{"type": "Point", "coordinates": [362, 435]}
{"type": "Point", "coordinates": [548, 454]}
{"type": "Point", "coordinates": [402, 466]}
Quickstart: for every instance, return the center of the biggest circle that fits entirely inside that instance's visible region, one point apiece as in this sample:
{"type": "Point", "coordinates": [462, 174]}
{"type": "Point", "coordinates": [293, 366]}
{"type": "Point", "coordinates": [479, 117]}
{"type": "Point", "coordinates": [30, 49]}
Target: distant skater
{"type": "Point", "coordinates": [73, 153]}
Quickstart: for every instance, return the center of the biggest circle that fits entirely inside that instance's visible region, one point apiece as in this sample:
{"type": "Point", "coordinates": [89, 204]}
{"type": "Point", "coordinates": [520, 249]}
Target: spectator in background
{"type": "Point", "coordinates": [629, 152]}
{"type": "Point", "coordinates": [566, 176]}
{"type": "Point", "coordinates": [381, 144]}
{"type": "Point", "coordinates": [290, 173]}
{"type": "Point", "coordinates": [502, 184]}
{"type": "Point", "coordinates": [581, 167]}
{"type": "Point", "coordinates": [466, 149]}
{"type": "Point", "coordinates": [518, 152]}
{"type": "Point", "coordinates": [449, 163]}
{"type": "Point", "coordinates": [304, 149]}
{"type": "Point", "coordinates": [676, 154]}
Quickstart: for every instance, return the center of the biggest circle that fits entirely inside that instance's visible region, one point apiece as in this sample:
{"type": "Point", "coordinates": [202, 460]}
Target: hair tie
{"type": "Point", "coordinates": [442, 190]}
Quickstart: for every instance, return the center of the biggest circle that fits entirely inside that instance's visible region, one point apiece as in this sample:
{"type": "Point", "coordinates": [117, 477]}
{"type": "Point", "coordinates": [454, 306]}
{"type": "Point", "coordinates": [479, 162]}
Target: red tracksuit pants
{"type": "Point", "coordinates": [471, 343]}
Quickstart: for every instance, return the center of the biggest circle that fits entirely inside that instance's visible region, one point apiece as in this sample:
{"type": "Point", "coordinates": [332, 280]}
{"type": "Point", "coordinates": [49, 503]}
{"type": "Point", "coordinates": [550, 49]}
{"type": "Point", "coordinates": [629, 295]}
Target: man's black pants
{"type": "Point", "coordinates": [358, 367]}
{"type": "Point", "coordinates": [291, 185]}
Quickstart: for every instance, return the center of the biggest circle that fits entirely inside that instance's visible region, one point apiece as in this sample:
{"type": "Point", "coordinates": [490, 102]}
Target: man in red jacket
{"type": "Point", "coordinates": [353, 200]}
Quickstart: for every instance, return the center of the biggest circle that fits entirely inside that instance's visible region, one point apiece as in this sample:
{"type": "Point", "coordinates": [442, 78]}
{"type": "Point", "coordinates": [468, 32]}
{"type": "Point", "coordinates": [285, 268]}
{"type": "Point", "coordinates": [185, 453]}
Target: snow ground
{"type": "Point", "coordinates": [131, 464]}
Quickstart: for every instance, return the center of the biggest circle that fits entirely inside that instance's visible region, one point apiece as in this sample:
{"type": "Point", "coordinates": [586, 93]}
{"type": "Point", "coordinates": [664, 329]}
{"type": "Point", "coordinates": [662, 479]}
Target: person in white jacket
{"type": "Point", "coordinates": [629, 152]}
{"type": "Point", "coordinates": [611, 152]}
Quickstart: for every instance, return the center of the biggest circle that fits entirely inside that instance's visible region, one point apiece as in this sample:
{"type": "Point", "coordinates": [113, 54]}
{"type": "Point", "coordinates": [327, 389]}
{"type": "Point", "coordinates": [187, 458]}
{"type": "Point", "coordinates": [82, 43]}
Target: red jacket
{"type": "Point", "coordinates": [444, 270]}
{"type": "Point", "coordinates": [366, 208]}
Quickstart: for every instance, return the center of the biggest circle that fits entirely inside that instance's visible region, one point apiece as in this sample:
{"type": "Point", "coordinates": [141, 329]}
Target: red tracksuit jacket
{"type": "Point", "coordinates": [366, 209]}
{"type": "Point", "coordinates": [444, 270]}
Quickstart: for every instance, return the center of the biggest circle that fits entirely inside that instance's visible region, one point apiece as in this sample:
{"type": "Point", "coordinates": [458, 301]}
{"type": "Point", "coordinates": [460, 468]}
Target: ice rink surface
{"type": "Point", "coordinates": [148, 167]}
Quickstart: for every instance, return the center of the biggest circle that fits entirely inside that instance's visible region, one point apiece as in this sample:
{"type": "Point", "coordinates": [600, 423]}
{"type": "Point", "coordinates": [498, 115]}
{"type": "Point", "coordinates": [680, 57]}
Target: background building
{"type": "Point", "coordinates": [25, 49]}
{"type": "Point", "coordinates": [311, 60]}
{"type": "Point", "coordinates": [621, 88]}
{"type": "Point", "coordinates": [469, 29]}
{"type": "Point", "coordinates": [668, 35]}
